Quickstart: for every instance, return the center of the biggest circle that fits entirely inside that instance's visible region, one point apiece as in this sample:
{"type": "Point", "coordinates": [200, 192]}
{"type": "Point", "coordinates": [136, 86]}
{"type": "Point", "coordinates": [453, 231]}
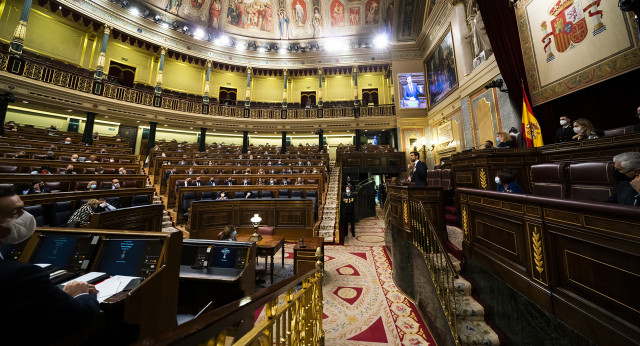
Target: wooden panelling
{"type": "Point", "coordinates": [141, 218]}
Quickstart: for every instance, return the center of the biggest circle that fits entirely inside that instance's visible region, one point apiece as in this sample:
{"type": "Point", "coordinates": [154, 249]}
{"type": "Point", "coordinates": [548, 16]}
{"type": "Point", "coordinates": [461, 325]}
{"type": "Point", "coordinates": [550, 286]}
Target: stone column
{"type": "Point", "coordinates": [319, 87]}
{"type": "Point", "coordinates": [203, 139]}
{"type": "Point", "coordinates": [87, 135]}
{"type": "Point", "coordinates": [356, 140]}
{"type": "Point", "coordinates": [247, 102]}
{"type": "Point", "coordinates": [21, 30]}
{"type": "Point", "coordinates": [103, 53]}
{"type": "Point", "coordinates": [356, 101]}
{"type": "Point", "coordinates": [205, 97]}
{"type": "Point", "coordinates": [283, 148]}
{"type": "Point", "coordinates": [163, 51]}
{"type": "Point", "coordinates": [245, 141]}
{"type": "Point", "coordinates": [320, 139]}
{"type": "Point", "coordinates": [151, 142]}
{"type": "Point", "coordinates": [284, 93]}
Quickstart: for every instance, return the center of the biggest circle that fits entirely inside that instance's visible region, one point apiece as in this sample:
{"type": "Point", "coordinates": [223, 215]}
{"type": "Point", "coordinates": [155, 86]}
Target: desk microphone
{"type": "Point", "coordinates": [302, 246]}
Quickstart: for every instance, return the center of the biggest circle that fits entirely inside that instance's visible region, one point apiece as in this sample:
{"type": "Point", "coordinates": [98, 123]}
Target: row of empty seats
{"type": "Point", "coordinates": [593, 181]}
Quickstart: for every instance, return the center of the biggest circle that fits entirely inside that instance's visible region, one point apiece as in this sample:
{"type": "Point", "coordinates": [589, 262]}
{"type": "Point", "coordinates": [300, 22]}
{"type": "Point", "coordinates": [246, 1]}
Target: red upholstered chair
{"type": "Point", "coordinates": [124, 161]}
{"type": "Point", "coordinates": [80, 185]}
{"type": "Point", "coordinates": [549, 180]}
{"type": "Point", "coordinates": [56, 186]}
{"type": "Point", "coordinates": [129, 184]}
{"type": "Point", "coordinates": [593, 181]}
{"type": "Point", "coordinates": [89, 170]}
{"type": "Point", "coordinates": [265, 230]}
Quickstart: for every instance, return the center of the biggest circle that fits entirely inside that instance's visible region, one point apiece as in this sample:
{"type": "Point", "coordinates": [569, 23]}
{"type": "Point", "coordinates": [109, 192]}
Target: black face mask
{"type": "Point", "coordinates": [621, 176]}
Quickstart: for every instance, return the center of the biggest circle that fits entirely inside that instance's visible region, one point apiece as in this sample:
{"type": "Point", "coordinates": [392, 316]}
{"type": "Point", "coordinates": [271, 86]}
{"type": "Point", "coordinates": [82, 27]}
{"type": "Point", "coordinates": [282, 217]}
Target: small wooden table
{"type": "Point", "coordinates": [267, 247]}
{"type": "Point", "coordinates": [304, 258]}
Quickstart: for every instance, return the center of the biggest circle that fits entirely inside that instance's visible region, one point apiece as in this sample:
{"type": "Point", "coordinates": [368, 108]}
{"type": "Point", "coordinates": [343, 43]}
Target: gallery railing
{"type": "Point", "coordinates": [292, 317]}
{"type": "Point", "coordinates": [74, 78]}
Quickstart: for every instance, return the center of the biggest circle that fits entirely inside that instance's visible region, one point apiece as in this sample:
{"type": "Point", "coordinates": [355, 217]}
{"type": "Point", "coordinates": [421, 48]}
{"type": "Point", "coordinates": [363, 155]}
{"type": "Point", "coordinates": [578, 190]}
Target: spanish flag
{"type": "Point", "coordinates": [530, 127]}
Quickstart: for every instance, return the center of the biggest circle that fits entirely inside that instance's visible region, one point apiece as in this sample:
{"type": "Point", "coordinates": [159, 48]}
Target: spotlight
{"type": "Point", "coordinates": [185, 29]}
{"type": "Point", "coordinates": [124, 3]}
{"type": "Point", "coordinates": [381, 41]}
{"type": "Point", "coordinates": [165, 25]}
{"type": "Point", "coordinates": [175, 25]}
{"type": "Point", "coordinates": [222, 40]}
{"type": "Point", "coordinates": [134, 11]}
{"type": "Point", "coordinates": [290, 47]}
{"type": "Point", "coordinates": [156, 18]}
{"type": "Point", "coordinates": [198, 34]}
{"type": "Point", "coordinates": [145, 13]}
{"type": "Point", "coordinates": [336, 44]}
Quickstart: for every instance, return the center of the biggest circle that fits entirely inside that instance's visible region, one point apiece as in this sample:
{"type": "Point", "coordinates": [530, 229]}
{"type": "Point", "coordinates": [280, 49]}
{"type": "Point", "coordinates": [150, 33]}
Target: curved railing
{"type": "Point", "coordinates": [292, 317]}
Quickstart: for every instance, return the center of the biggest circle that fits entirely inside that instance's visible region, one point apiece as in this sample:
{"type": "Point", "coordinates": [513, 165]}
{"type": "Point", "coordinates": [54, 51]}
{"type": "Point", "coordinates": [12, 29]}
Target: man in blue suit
{"type": "Point", "coordinates": [418, 169]}
{"type": "Point", "coordinates": [411, 90]}
{"type": "Point", "coordinates": [36, 311]}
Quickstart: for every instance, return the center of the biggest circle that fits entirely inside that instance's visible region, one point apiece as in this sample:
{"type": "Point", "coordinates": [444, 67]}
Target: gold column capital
{"type": "Point", "coordinates": [355, 68]}
{"type": "Point", "coordinates": [107, 29]}
{"type": "Point", "coordinates": [249, 69]}
{"type": "Point", "coordinates": [320, 70]}
{"type": "Point", "coordinates": [209, 63]}
{"type": "Point", "coordinates": [163, 50]}
{"type": "Point", "coordinates": [284, 72]}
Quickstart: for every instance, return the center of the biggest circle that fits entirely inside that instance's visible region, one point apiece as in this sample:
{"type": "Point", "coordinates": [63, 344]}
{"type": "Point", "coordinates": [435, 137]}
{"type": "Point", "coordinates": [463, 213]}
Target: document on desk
{"type": "Point", "coordinates": [115, 284]}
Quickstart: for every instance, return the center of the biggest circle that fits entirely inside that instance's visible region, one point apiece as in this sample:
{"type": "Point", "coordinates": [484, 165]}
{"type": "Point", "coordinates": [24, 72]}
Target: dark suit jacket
{"type": "Point", "coordinates": [624, 194]}
{"type": "Point", "coordinates": [35, 311]}
{"type": "Point", "coordinates": [167, 174]}
{"type": "Point", "coordinates": [348, 203]}
{"type": "Point", "coordinates": [565, 134]}
{"type": "Point", "coordinates": [419, 175]}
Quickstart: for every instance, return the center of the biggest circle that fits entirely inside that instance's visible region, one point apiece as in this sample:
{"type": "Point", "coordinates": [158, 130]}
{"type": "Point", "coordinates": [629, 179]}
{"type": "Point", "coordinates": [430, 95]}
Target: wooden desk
{"type": "Point", "coordinates": [304, 258]}
{"type": "Point", "coordinates": [268, 246]}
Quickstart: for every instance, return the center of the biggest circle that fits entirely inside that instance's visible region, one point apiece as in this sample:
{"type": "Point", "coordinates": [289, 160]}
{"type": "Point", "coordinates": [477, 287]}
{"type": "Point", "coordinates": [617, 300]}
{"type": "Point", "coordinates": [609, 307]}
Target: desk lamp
{"type": "Point", "coordinates": [255, 221]}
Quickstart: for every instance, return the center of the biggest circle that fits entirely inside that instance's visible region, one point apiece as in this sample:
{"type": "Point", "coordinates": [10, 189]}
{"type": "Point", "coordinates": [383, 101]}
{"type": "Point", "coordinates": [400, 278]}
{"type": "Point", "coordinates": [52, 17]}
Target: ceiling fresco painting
{"type": "Point", "coordinates": [281, 19]}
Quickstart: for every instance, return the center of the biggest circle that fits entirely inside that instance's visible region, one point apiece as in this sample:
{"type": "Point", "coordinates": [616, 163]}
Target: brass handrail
{"type": "Point", "coordinates": [440, 266]}
{"type": "Point", "coordinates": [292, 318]}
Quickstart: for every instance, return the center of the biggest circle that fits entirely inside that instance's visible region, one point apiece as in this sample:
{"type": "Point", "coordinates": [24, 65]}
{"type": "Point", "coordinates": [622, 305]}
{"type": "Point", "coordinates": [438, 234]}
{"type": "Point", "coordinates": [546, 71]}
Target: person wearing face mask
{"type": "Point", "coordinates": [627, 173]}
{"type": "Point", "coordinates": [40, 312]}
{"type": "Point", "coordinates": [67, 140]}
{"type": "Point", "coordinates": [92, 186]}
{"type": "Point", "coordinates": [348, 212]}
{"type": "Point", "coordinates": [83, 214]}
{"type": "Point", "coordinates": [105, 206]}
{"type": "Point", "coordinates": [222, 196]}
{"type": "Point", "coordinates": [565, 132]}
{"type": "Point", "coordinates": [38, 187]}
{"type": "Point", "coordinates": [115, 184]}
{"type": "Point", "coordinates": [584, 129]}
{"type": "Point", "coordinates": [68, 170]}
{"type": "Point", "coordinates": [506, 182]}
{"type": "Point", "coordinates": [229, 233]}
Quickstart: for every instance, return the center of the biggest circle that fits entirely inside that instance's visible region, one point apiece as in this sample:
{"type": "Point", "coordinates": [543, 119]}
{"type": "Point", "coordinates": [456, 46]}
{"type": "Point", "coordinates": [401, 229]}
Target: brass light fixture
{"type": "Point", "coordinates": [255, 221]}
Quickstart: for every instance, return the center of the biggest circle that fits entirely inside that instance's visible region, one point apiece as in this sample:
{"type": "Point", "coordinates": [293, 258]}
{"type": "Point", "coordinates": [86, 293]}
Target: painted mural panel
{"type": "Point", "coordinates": [568, 45]}
{"type": "Point", "coordinates": [372, 12]}
{"type": "Point", "coordinates": [337, 13]}
{"type": "Point", "coordinates": [278, 19]}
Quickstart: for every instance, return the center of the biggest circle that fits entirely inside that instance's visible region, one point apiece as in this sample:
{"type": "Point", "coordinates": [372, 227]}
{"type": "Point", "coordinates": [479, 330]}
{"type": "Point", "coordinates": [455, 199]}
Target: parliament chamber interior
{"type": "Point", "coordinates": [310, 172]}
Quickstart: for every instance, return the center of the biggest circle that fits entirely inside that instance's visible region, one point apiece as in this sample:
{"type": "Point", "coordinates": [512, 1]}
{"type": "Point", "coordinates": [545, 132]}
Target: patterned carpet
{"type": "Point", "coordinates": [362, 304]}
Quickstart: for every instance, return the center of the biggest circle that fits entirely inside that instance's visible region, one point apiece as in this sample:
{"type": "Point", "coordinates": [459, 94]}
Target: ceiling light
{"type": "Point", "coordinates": [25, 101]}
{"type": "Point", "coordinates": [261, 49]}
{"type": "Point", "coordinates": [166, 125]}
{"type": "Point", "coordinates": [335, 44]}
{"type": "Point", "coordinates": [381, 41]}
{"type": "Point", "coordinates": [185, 29]}
{"type": "Point", "coordinates": [134, 11]}
{"type": "Point", "coordinates": [156, 18]}
{"type": "Point", "coordinates": [145, 14]}
{"type": "Point", "coordinates": [124, 4]}
{"type": "Point", "coordinates": [176, 25]}
{"type": "Point", "coordinates": [69, 110]}
{"type": "Point", "coordinates": [137, 121]}
{"type": "Point", "coordinates": [165, 25]}
{"type": "Point", "coordinates": [199, 34]}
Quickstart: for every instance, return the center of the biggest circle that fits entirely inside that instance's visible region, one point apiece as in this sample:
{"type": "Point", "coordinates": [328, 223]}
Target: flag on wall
{"type": "Point", "coordinates": [530, 127]}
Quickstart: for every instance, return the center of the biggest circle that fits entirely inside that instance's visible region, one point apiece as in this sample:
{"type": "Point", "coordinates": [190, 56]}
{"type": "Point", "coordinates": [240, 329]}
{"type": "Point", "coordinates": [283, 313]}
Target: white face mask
{"type": "Point", "coordinates": [563, 122]}
{"type": "Point", "coordinates": [348, 192]}
{"type": "Point", "coordinates": [497, 139]}
{"type": "Point", "coordinates": [93, 186]}
{"type": "Point", "coordinates": [577, 129]}
{"type": "Point", "coordinates": [103, 205]}
{"type": "Point", "coordinates": [497, 180]}
{"type": "Point", "coordinates": [21, 229]}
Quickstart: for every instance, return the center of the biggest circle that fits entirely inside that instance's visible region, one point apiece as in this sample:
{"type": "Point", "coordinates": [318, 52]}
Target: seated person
{"type": "Point", "coordinates": [49, 156]}
{"type": "Point", "coordinates": [38, 187]}
{"type": "Point", "coordinates": [249, 194]}
{"type": "Point", "coordinates": [285, 181]}
{"type": "Point", "coordinates": [507, 182]}
{"type": "Point", "coordinates": [92, 186]}
{"type": "Point", "coordinates": [99, 170]}
{"type": "Point", "coordinates": [40, 312]}
{"type": "Point", "coordinates": [121, 170]}
{"type": "Point", "coordinates": [115, 184]}
{"type": "Point", "coordinates": [211, 182]}
{"type": "Point", "coordinates": [245, 181]}
{"type": "Point", "coordinates": [53, 128]}
{"type": "Point", "coordinates": [488, 144]}
{"type": "Point", "coordinates": [565, 133]}
{"type": "Point", "coordinates": [198, 181]}
{"type": "Point", "coordinates": [228, 233]}
{"type": "Point", "coordinates": [584, 129]}
{"type": "Point", "coordinates": [91, 158]}
{"type": "Point", "coordinates": [504, 140]}
{"type": "Point", "coordinates": [272, 182]}
{"type": "Point", "coordinates": [83, 214]}
{"type": "Point", "coordinates": [229, 181]}
{"type": "Point", "coordinates": [74, 158]}
{"type": "Point", "coordinates": [627, 173]}
{"type": "Point", "coordinates": [223, 195]}
{"type": "Point", "coordinates": [68, 170]}
{"type": "Point", "coordinates": [299, 181]}
{"type": "Point", "coordinates": [21, 155]}
{"type": "Point", "coordinates": [106, 206]}
{"type": "Point", "coordinates": [67, 140]}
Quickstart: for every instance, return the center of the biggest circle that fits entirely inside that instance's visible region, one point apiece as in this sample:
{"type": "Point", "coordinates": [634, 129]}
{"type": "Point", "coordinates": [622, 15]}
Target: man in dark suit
{"type": "Point", "coordinates": [167, 174]}
{"type": "Point", "coordinates": [212, 182]}
{"type": "Point", "coordinates": [229, 181]}
{"type": "Point", "coordinates": [198, 182]}
{"type": "Point", "coordinates": [347, 209]}
{"type": "Point", "coordinates": [40, 312]}
{"type": "Point", "coordinates": [418, 169]}
{"type": "Point", "coordinates": [627, 172]}
{"type": "Point", "coordinates": [565, 132]}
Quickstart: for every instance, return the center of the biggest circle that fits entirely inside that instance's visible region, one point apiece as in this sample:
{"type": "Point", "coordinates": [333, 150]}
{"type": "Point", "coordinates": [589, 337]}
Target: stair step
{"type": "Point", "coordinates": [166, 218]}
{"type": "Point", "coordinates": [167, 224]}
{"type": "Point", "coordinates": [462, 286]}
{"type": "Point", "coordinates": [477, 333]}
{"type": "Point", "coordinates": [469, 309]}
